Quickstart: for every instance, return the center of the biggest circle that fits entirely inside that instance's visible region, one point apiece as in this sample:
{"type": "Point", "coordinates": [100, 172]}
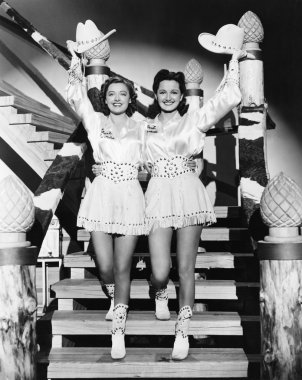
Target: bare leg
{"type": "Point", "coordinates": [103, 247]}
{"type": "Point", "coordinates": [160, 246]}
{"type": "Point", "coordinates": [123, 251]}
{"type": "Point", "coordinates": [187, 246]}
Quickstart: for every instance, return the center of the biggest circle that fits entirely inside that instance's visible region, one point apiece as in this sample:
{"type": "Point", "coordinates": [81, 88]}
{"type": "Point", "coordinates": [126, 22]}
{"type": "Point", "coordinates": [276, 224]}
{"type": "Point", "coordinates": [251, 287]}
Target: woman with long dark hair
{"type": "Point", "coordinates": [176, 198]}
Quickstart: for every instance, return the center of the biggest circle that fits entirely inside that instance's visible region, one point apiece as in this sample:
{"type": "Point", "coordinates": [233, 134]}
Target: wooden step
{"type": "Point", "coordinates": [49, 136]}
{"type": "Point", "coordinates": [203, 260]}
{"type": "Point", "coordinates": [32, 136]}
{"type": "Point", "coordinates": [91, 288]}
{"type": "Point", "coordinates": [35, 109]}
{"type": "Point", "coordinates": [7, 89]}
{"type": "Point", "coordinates": [92, 322]}
{"type": "Point", "coordinates": [49, 121]}
{"type": "Point", "coordinates": [208, 234]}
{"type": "Point", "coordinates": [95, 362]}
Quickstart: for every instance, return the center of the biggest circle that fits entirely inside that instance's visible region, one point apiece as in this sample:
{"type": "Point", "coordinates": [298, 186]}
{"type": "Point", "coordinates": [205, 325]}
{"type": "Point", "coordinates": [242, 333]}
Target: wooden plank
{"type": "Point", "coordinates": [92, 322]}
{"type": "Point", "coordinates": [48, 136]}
{"type": "Point", "coordinates": [21, 104]}
{"type": "Point", "coordinates": [8, 89]}
{"type": "Point", "coordinates": [208, 234]}
{"type": "Point", "coordinates": [8, 110]}
{"type": "Point", "coordinates": [203, 260]}
{"type": "Point", "coordinates": [49, 121]}
{"type": "Point", "coordinates": [20, 147]}
{"type": "Point", "coordinates": [91, 288]}
{"type": "Point", "coordinates": [148, 362]}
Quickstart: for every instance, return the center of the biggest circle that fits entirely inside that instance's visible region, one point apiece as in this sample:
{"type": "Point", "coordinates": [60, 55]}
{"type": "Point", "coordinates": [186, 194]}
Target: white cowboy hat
{"type": "Point", "coordinates": [88, 35]}
{"type": "Point", "coordinates": [228, 39]}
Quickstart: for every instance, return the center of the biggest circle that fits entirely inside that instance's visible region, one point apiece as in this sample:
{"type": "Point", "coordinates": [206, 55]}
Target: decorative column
{"type": "Point", "coordinates": [96, 70]}
{"type": "Point", "coordinates": [252, 125]}
{"type": "Point", "coordinates": [194, 95]}
{"type": "Point", "coordinates": [18, 299]}
{"type": "Point", "coordinates": [280, 255]}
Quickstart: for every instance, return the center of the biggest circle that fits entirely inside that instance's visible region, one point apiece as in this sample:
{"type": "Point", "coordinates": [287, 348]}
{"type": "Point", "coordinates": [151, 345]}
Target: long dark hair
{"type": "Point", "coordinates": [154, 109]}
{"type": "Point", "coordinates": [132, 107]}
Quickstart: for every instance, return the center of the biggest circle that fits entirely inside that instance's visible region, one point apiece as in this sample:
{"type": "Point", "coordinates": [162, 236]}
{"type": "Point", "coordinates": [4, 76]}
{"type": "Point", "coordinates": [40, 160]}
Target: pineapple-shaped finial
{"type": "Point", "coordinates": [253, 29]}
{"type": "Point", "coordinates": [99, 51]}
{"type": "Point", "coordinates": [17, 212]}
{"type": "Point", "coordinates": [193, 72]}
{"type": "Point", "coordinates": [281, 203]}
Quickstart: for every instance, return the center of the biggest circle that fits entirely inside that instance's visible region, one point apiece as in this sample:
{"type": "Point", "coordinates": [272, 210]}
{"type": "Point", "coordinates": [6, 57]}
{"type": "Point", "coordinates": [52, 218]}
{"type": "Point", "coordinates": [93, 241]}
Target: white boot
{"type": "Point", "coordinates": [118, 350]}
{"type": "Point", "coordinates": [161, 304]}
{"type": "Point", "coordinates": [181, 344]}
{"type": "Point", "coordinates": [110, 294]}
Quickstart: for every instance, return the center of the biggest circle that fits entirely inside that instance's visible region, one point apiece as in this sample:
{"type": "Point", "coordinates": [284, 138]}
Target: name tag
{"type": "Point", "coordinates": [151, 128]}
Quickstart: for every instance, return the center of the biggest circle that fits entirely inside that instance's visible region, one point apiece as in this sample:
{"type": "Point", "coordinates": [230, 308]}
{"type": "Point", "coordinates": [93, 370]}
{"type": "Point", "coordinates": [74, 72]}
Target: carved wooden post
{"type": "Point", "coordinates": [280, 255]}
{"type": "Point", "coordinates": [252, 124]}
{"type": "Point", "coordinates": [97, 70]}
{"type": "Point", "coordinates": [18, 300]}
{"type": "Point", "coordinates": [194, 94]}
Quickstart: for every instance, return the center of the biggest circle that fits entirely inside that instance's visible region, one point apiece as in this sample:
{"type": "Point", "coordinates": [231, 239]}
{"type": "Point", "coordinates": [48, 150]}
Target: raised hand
{"type": "Point", "coordinates": [238, 54]}
{"type": "Point", "coordinates": [71, 45]}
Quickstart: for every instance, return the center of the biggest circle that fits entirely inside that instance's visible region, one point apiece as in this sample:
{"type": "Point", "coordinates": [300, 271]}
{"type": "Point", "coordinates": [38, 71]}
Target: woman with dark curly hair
{"type": "Point", "coordinates": [113, 207]}
{"type": "Point", "coordinates": [176, 198]}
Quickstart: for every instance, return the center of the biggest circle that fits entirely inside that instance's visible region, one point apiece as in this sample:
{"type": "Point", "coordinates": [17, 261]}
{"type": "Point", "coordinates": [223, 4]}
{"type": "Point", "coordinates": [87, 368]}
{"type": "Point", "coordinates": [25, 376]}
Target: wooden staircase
{"type": "Point", "coordinates": [34, 126]}
{"type": "Point", "coordinates": [75, 338]}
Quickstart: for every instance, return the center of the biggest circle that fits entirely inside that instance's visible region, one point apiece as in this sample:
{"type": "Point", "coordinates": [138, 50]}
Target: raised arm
{"type": "Point", "coordinates": [226, 98]}
{"type": "Point", "coordinates": [76, 92]}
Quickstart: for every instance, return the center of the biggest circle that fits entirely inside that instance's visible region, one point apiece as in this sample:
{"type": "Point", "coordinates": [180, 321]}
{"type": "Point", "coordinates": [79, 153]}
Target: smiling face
{"type": "Point", "coordinates": [117, 98]}
{"type": "Point", "coordinates": [168, 95]}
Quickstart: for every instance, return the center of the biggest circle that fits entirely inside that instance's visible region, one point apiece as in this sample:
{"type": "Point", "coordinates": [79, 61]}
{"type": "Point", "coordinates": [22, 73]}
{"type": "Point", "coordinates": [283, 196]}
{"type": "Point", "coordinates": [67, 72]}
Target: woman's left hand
{"type": "Point", "coordinates": [192, 164]}
{"type": "Point", "coordinates": [96, 169]}
{"type": "Point", "coordinates": [238, 54]}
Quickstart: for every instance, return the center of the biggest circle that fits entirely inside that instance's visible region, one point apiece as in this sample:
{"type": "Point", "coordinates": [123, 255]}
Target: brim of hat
{"type": "Point", "coordinates": [206, 40]}
{"type": "Point", "coordinates": [83, 48]}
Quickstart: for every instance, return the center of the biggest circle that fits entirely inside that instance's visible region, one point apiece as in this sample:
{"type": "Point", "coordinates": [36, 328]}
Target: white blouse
{"type": "Point", "coordinates": [108, 144]}
{"type": "Point", "coordinates": [185, 135]}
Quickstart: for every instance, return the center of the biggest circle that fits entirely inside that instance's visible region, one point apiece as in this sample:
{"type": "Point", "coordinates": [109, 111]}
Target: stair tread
{"type": "Point", "coordinates": [91, 288]}
{"type": "Point", "coordinates": [92, 322]}
{"type": "Point", "coordinates": [208, 234]}
{"type": "Point", "coordinates": [203, 260]}
{"type": "Point", "coordinates": [49, 120]}
{"type": "Point", "coordinates": [148, 362]}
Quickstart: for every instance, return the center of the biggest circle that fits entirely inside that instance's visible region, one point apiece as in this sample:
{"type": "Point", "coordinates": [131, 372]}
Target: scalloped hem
{"type": "Point", "coordinates": [112, 228]}
{"type": "Point", "coordinates": [180, 222]}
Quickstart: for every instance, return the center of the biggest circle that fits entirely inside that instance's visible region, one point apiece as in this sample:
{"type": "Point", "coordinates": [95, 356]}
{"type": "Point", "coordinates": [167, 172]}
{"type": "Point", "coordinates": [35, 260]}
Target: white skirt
{"type": "Point", "coordinates": [177, 202]}
{"type": "Point", "coordinates": [113, 207]}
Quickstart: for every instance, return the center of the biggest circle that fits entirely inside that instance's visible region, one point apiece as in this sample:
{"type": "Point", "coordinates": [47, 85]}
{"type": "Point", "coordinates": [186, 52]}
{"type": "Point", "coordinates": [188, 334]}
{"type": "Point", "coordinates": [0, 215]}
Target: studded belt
{"type": "Point", "coordinates": [118, 172]}
{"type": "Point", "coordinates": [170, 167]}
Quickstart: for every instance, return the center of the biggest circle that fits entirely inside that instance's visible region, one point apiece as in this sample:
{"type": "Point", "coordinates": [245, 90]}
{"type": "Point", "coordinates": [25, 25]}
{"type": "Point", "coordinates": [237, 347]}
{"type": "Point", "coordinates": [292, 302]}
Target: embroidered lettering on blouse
{"type": "Point", "coordinates": [151, 129]}
{"type": "Point", "coordinates": [106, 134]}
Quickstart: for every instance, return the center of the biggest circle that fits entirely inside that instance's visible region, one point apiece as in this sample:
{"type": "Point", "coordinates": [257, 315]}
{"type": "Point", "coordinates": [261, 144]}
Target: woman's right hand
{"type": "Point", "coordinates": [71, 45]}
{"type": "Point", "coordinates": [148, 166]}
{"type": "Point", "coordinates": [96, 169]}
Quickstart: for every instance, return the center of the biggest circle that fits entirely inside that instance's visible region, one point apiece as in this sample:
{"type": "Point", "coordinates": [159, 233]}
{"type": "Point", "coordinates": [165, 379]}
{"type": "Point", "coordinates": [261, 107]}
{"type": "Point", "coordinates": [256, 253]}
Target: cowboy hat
{"type": "Point", "coordinates": [228, 39]}
{"type": "Point", "coordinates": [88, 35]}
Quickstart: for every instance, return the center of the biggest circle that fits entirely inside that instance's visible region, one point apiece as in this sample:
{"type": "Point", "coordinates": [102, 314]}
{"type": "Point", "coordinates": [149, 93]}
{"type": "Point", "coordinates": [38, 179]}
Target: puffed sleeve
{"type": "Point", "coordinates": [221, 103]}
{"type": "Point", "coordinates": [78, 99]}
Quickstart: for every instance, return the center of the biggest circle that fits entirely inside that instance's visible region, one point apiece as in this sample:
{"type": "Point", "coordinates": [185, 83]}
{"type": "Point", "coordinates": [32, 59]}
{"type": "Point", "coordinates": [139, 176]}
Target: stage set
{"type": "Point", "coordinates": [247, 317]}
